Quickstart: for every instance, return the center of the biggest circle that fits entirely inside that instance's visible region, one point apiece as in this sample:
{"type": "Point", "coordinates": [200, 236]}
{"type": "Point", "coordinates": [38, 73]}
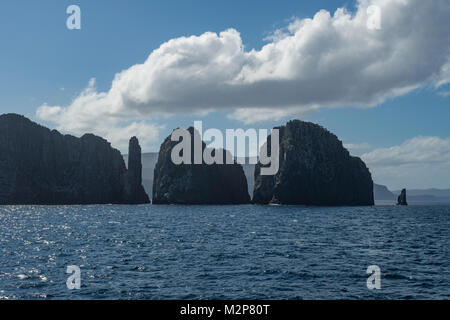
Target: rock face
{"type": "Point", "coordinates": [315, 169]}
{"type": "Point", "coordinates": [197, 183]}
{"type": "Point", "coordinates": [39, 166]}
{"type": "Point", "coordinates": [401, 200]}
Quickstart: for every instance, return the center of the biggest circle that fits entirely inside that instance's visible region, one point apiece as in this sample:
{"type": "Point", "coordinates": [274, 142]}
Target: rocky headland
{"type": "Point", "coordinates": [197, 183]}
{"type": "Point", "coordinates": [43, 167]}
{"type": "Point", "coordinates": [315, 169]}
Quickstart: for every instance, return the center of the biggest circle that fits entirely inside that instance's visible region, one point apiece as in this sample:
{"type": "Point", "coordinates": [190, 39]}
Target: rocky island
{"type": "Point", "coordinates": [315, 169]}
{"type": "Point", "coordinates": [43, 167]}
{"type": "Point", "coordinates": [197, 183]}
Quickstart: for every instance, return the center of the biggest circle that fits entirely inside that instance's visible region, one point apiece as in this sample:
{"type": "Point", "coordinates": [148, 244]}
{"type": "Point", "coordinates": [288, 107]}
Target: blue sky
{"type": "Point", "coordinates": [42, 62]}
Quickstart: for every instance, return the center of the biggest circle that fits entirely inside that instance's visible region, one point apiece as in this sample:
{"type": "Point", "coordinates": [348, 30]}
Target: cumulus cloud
{"type": "Point", "coordinates": [356, 147]}
{"type": "Point", "coordinates": [444, 93]}
{"type": "Point", "coordinates": [417, 163]}
{"type": "Point", "coordinates": [92, 112]}
{"type": "Point", "coordinates": [329, 60]}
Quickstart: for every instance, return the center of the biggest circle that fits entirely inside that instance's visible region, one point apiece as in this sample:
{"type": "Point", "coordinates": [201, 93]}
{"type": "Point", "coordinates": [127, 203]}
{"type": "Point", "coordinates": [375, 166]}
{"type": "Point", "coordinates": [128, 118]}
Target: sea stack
{"type": "Point", "coordinates": [315, 169]}
{"type": "Point", "coordinates": [197, 183]}
{"type": "Point", "coordinates": [401, 200]}
{"type": "Point", "coordinates": [43, 167]}
{"type": "Point", "coordinates": [135, 193]}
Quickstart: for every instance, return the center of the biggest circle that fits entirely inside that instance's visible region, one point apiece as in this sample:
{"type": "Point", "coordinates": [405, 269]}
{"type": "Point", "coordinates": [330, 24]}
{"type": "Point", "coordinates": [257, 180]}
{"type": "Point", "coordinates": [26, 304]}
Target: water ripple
{"type": "Point", "coordinates": [224, 252]}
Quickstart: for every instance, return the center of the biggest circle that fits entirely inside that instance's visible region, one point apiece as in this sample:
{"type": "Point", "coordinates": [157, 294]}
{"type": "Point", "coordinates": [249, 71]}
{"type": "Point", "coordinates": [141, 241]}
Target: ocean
{"type": "Point", "coordinates": [224, 252]}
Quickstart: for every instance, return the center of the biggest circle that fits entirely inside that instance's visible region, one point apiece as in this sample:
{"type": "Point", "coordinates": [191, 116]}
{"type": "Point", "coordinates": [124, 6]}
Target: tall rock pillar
{"type": "Point", "coordinates": [135, 192]}
{"type": "Point", "coordinates": [401, 200]}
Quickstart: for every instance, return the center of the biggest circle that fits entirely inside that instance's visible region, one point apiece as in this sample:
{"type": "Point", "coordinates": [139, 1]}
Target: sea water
{"type": "Point", "coordinates": [224, 252]}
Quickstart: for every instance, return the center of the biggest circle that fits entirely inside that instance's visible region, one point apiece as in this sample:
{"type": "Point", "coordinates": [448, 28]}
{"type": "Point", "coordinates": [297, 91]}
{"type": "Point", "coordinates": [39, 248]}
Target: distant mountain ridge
{"type": "Point", "coordinates": [422, 196]}
{"type": "Point", "coordinates": [381, 192]}
{"type": "Point", "coordinates": [433, 192]}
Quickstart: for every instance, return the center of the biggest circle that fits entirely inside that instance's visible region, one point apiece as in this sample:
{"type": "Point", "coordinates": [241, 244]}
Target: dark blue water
{"type": "Point", "coordinates": [224, 252]}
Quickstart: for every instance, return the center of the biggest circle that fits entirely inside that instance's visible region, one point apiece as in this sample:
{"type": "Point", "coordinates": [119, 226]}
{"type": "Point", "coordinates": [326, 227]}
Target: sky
{"type": "Point", "coordinates": [146, 67]}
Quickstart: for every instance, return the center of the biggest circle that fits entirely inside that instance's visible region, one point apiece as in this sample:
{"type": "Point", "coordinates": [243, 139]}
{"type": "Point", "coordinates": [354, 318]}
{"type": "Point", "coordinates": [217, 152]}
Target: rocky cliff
{"type": "Point", "coordinates": [315, 169]}
{"type": "Point", "coordinates": [40, 166]}
{"type": "Point", "coordinates": [197, 183]}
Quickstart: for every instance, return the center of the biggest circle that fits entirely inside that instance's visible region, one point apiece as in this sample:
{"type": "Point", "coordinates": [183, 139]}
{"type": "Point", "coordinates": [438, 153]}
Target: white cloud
{"type": "Point", "coordinates": [420, 162]}
{"type": "Point", "coordinates": [416, 150]}
{"type": "Point", "coordinates": [147, 134]}
{"type": "Point", "coordinates": [357, 146]}
{"type": "Point", "coordinates": [253, 115]}
{"type": "Point", "coordinates": [444, 93]}
{"type": "Point", "coordinates": [91, 112]}
{"type": "Point", "coordinates": [326, 61]}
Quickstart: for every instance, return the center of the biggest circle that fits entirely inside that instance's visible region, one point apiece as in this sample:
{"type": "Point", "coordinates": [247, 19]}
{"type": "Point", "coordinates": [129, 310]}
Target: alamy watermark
{"type": "Point", "coordinates": [373, 17]}
{"type": "Point", "coordinates": [374, 281]}
{"type": "Point", "coordinates": [74, 280]}
{"type": "Point", "coordinates": [74, 20]}
{"type": "Point", "coordinates": [182, 152]}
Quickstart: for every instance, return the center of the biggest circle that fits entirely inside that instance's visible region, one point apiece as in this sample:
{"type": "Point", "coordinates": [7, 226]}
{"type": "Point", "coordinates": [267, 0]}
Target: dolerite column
{"type": "Point", "coordinates": [135, 192]}
{"type": "Point", "coordinates": [401, 200]}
